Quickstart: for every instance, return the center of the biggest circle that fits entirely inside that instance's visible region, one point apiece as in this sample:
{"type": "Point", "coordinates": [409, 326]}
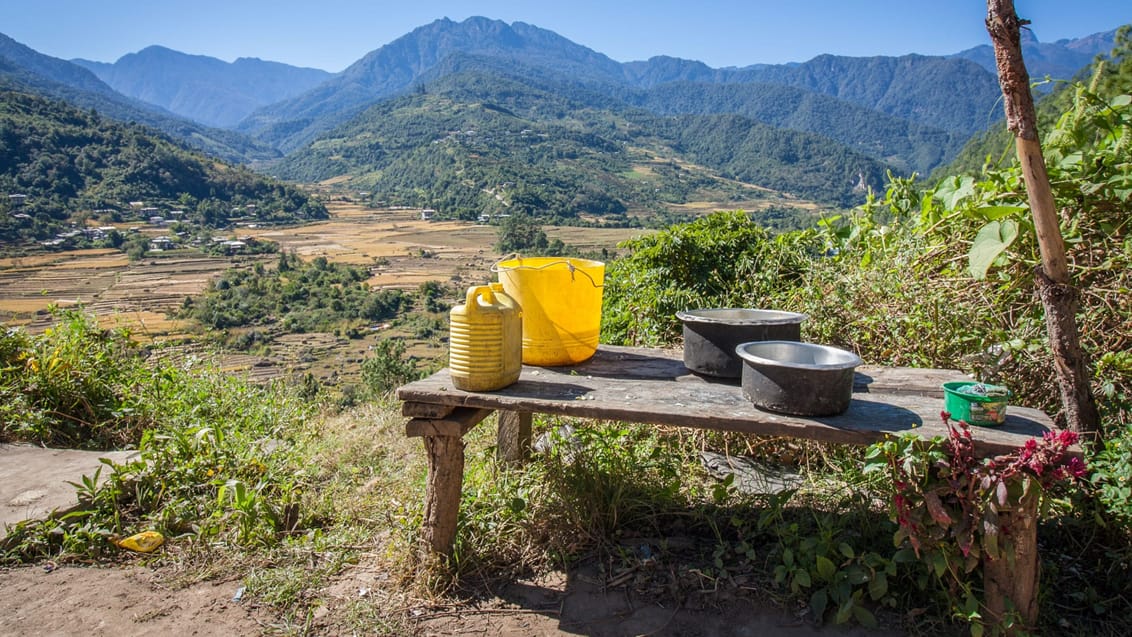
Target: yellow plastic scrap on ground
{"type": "Point", "coordinates": [144, 542]}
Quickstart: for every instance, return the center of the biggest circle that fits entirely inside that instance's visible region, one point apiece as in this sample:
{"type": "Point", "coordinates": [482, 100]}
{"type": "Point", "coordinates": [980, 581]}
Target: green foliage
{"type": "Point", "coordinates": [296, 296]}
{"type": "Point", "coordinates": [74, 385]}
{"type": "Point", "coordinates": [214, 457]}
{"type": "Point", "coordinates": [71, 162]}
{"type": "Point", "coordinates": [723, 260]}
{"type": "Point", "coordinates": [1112, 474]}
{"type": "Point", "coordinates": [827, 564]}
{"type": "Point", "coordinates": [522, 234]}
{"type": "Point", "coordinates": [431, 293]}
{"type": "Point", "coordinates": [951, 506]}
{"type": "Point", "coordinates": [388, 368]}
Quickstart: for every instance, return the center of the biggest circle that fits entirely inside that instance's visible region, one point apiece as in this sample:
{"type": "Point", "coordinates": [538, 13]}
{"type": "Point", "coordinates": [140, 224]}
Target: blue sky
{"type": "Point", "coordinates": [331, 34]}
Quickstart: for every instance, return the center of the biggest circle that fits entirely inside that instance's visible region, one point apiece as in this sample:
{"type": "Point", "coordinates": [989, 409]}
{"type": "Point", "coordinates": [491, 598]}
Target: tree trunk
{"type": "Point", "coordinates": [1059, 297]}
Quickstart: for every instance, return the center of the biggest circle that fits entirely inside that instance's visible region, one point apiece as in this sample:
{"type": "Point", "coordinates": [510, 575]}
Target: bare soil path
{"type": "Point", "coordinates": [118, 602]}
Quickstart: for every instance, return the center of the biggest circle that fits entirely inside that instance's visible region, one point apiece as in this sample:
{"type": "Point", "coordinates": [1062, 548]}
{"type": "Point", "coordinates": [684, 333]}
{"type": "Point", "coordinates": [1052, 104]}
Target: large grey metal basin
{"type": "Point", "coordinates": [801, 379]}
{"type": "Point", "coordinates": [711, 336]}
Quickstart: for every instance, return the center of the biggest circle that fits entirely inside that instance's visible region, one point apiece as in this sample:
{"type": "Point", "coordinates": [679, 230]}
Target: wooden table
{"type": "Point", "coordinates": [653, 386]}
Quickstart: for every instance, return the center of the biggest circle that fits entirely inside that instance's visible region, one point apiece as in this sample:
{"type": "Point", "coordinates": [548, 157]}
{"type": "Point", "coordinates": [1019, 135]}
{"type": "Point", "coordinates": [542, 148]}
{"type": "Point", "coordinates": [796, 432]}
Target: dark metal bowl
{"type": "Point", "coordinates": [801, 379]}
{"type": "Point", "coordinates": [711, 336]}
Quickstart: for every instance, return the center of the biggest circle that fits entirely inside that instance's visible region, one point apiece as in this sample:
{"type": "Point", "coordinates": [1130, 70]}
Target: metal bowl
{"type": "Point", "coordinates": [801, 379]}
{"type": "Point", "coordinates": [711, 336]}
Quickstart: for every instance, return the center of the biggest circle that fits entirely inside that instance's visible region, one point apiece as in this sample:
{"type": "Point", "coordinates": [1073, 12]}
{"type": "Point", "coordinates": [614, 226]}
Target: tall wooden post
{"type": "Point", "coordinates": [1059, 298]}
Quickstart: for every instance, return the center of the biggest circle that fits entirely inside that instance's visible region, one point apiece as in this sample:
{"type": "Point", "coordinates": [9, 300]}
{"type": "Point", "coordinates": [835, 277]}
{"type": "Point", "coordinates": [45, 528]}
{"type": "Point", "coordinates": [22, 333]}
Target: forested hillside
{"type": "Point", "coordinates": [58, 165]}
{"type": "Point", "coordinates": [484, 143]}
{"type": "Point", "coordinates": [905, 145]}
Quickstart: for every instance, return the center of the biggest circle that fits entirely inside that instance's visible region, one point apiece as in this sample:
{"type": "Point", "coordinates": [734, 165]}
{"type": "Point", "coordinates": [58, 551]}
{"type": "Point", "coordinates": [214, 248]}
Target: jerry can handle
{"type": "Point", "coordinates": [474, 293]}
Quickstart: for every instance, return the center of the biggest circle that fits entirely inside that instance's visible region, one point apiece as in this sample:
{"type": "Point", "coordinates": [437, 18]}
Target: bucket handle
{"type": "Point", "coordinates": [570, 266]}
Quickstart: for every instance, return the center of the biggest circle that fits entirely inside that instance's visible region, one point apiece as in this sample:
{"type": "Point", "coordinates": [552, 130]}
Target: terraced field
{"type": "Point", "coordinates": [400, 249]}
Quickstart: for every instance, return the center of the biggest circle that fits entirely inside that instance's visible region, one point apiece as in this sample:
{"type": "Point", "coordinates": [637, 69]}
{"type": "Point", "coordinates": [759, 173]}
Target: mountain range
{"type": "Point", "coordinates": [24, 69]}
{"type": "Point", "coordinates": [201, 88]}
{"type": "Point", "coordinates": [842, 122]}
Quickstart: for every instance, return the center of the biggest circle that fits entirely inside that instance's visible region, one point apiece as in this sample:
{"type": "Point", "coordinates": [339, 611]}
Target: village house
{"type": "Point", "coordinates": [157, 244]}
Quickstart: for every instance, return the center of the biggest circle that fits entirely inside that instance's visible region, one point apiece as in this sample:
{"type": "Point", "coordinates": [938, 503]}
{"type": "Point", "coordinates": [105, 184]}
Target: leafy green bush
{"type": "Point", "coordinates": [74, 385]}
{"type": "Point", "coordinates": [722, 260]}
{"type": "Point", "coordinates": [214, 456]}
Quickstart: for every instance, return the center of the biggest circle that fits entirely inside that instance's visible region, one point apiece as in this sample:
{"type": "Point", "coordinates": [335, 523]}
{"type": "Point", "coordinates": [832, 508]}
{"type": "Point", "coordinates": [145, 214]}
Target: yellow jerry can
{"type": "Point", "coordinates": [485, 344]}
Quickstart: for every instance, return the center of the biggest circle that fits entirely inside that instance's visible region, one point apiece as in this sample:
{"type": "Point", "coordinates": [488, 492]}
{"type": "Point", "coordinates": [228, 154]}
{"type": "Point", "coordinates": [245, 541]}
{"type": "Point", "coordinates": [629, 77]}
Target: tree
{"type": "Point", "coordinates": [521, 233]}
{"type": "Point", "coordinates": [1059, 297]}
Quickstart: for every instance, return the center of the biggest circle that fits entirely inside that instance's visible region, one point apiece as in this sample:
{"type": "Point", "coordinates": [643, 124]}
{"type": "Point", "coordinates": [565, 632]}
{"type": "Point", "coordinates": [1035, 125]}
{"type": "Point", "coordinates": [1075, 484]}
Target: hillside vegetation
{"type": "Point", "coordinates": [475, 144]}
{"type": "Point", "coordinates": [69, 163]}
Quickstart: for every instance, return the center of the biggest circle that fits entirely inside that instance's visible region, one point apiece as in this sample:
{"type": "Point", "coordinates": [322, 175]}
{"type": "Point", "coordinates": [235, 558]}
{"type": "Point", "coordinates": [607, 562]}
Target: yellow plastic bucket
{"type": "Point", "coordinates": [561, 302]}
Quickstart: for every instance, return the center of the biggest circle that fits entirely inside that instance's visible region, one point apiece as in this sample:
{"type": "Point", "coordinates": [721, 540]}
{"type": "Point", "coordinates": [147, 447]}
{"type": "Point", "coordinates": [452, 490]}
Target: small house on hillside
{"type": "Point", "coordinates": [233, 247]}
{"type": "Point", "coordinates": [160, 243]}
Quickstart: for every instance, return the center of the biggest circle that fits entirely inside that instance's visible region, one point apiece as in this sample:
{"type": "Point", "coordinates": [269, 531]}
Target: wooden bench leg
{"type": "Point", "coordinates": [1011, 582]}
{"type": "Point", "coordinates": [513, 440]}
{"type": "Point", "coordinates": [442, 497]}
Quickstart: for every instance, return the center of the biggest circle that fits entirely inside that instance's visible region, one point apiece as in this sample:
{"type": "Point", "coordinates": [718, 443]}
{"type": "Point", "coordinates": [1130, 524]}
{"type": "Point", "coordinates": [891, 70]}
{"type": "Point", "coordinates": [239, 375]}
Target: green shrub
{"type": "Point", "coordinates": [387, 368]}
{"type": "Point", "coordinates": [74, 385]}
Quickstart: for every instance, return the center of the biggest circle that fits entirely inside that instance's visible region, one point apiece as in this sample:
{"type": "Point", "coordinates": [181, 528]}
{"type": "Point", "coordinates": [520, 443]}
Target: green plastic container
{"type": "Point", "coordinates": [987, 409]}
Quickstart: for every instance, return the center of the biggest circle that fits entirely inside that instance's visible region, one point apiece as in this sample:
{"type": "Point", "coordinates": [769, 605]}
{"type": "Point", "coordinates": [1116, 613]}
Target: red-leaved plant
{"type": "Point", "coordinates": [947, 500]}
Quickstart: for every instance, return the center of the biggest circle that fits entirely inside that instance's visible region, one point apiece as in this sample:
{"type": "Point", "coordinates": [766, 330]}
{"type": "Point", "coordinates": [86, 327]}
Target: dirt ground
{"type": "Point", "coordinates": [39, 601]}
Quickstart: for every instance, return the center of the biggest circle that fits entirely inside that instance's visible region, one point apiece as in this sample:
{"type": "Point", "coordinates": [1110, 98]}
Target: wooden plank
{"type": "Point", "coordinates": [425, 410]}
{"type": "Point", "coordinates": [653, 386]}
{"type": "Point", "coordinates": [455, 425]}
{"type": "Point", "coordinates": [904, 380]}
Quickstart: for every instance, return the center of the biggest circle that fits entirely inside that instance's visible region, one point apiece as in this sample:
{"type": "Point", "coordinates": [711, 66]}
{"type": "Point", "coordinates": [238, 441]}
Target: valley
{"type": "Point", "coordinates": [400, 249]}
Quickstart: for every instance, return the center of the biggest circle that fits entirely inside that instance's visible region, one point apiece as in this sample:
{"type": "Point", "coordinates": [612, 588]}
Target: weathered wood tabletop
{"type": "Point", "coordinates": [653, 386]}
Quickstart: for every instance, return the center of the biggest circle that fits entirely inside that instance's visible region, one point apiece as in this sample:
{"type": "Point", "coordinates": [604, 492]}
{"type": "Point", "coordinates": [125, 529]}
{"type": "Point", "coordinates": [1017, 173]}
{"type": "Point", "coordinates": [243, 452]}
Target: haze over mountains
{"type": "Point", "coordinates": [824, 129]}
{"type": "Point", "coordinates": [202, 88]}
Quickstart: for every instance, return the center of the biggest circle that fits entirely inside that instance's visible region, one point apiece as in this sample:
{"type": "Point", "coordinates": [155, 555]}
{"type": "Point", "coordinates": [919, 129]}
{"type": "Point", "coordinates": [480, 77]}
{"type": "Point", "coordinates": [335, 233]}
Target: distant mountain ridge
{"type": "Point", "coordinates": [908, 87]}
{"type": "Point", "coordinates": [30, 71]}
{"type": "Point", "coordinates": [401, 64]}
{"type": "Point", "coordinates": [1057, 60]}
{"type": "Point", "coordinates": [201, 88]}
{"type": "Point", "coordinates": [840, 122]}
